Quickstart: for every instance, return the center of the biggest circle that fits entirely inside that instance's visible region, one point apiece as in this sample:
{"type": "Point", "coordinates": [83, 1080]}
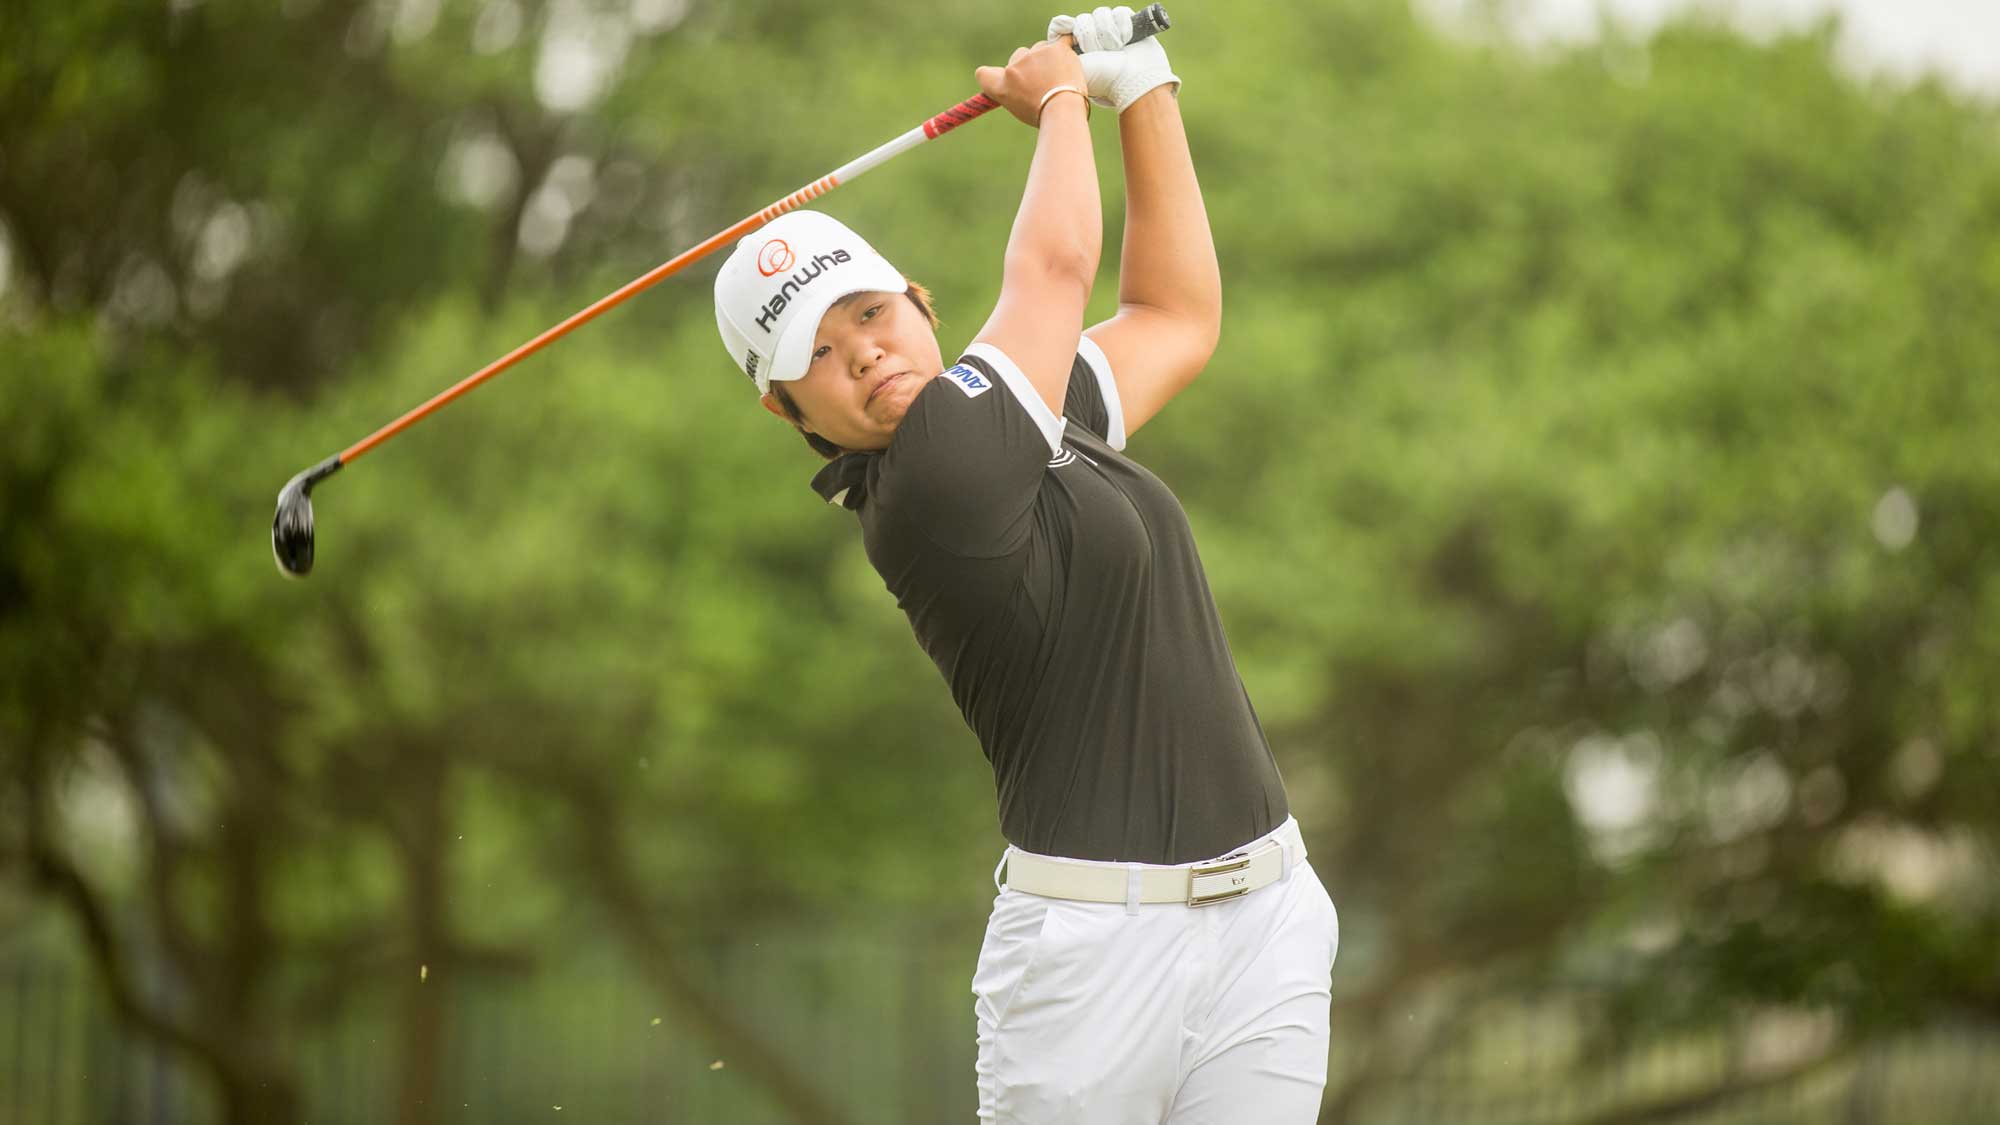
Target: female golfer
{"type": "Point", "coordinates": [1159, 951]}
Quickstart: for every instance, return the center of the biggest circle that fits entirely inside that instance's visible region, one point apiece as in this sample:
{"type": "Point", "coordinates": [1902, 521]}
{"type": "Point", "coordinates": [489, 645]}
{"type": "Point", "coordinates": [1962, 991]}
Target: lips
{"type": "Point", "coordinates": [884, 384]}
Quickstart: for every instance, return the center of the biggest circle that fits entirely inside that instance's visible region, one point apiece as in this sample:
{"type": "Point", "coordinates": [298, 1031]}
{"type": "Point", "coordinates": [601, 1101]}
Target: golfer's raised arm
{"type": "Point", "coordinates": [1058, 233]}
{"type": "Point", "coordinates": [1169, 287]}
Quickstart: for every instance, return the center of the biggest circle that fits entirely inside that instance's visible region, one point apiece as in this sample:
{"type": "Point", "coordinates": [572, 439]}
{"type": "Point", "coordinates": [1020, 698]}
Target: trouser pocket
{"type": "Point", "coordinates": [1014, 933]}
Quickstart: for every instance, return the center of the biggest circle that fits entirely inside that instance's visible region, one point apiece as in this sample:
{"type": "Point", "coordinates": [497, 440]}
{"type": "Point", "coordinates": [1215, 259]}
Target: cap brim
{"type": "Point", "coordinates": [794, 351]}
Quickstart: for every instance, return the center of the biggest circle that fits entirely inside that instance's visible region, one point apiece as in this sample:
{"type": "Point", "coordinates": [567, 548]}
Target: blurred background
{"type": "Point", "coordinates": [1598, 480]}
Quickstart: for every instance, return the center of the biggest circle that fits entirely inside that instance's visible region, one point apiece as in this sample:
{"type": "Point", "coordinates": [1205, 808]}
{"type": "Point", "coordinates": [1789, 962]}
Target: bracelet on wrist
{"type": "Point", "coordinates": [1053, 91]}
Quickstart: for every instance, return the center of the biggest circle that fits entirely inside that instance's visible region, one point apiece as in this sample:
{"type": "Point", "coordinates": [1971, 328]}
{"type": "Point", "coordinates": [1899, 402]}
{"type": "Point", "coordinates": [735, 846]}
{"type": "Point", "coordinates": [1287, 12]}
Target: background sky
{"type": "Point", "coordinates": [1957, 38]}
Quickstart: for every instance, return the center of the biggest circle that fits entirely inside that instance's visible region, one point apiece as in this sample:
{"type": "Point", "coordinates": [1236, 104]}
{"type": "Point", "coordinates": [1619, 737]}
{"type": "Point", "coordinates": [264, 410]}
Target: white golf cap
{"type": "Point", "coordinates": [780, 280]}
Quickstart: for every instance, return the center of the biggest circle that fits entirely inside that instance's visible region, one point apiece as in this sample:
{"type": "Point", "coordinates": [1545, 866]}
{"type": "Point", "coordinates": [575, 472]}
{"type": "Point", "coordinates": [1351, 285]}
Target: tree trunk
{"type": "Point", "coordinates": [424, 983]}
{"type": "Point", "coordinates": [260, 1099]}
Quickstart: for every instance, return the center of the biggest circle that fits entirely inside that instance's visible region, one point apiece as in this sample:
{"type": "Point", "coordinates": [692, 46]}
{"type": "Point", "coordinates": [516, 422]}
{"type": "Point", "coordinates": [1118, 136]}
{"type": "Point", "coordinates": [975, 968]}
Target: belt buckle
{"type": "Point", "coordinates": [1232, 872]}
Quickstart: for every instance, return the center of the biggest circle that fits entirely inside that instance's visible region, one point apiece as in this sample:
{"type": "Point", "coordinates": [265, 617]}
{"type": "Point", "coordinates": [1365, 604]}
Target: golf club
{"type": "Point", "coordinates": [292, 526]}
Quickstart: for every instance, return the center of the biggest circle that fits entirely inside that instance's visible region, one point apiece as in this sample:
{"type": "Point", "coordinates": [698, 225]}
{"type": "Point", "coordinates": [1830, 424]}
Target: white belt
{"type": "Point", "coordinates": [1197, 884]}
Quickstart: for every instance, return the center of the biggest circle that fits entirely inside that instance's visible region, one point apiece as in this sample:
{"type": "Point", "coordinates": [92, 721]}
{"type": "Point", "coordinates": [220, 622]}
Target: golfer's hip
{"type": "Point", "coordinates": [1106, 1012]}
{"type": "Point", "coordinates": [1241, 871]}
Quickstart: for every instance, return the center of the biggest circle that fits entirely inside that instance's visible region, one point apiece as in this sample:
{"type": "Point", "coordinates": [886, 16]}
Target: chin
{"type": "Point", "coordinates": [892, 404]}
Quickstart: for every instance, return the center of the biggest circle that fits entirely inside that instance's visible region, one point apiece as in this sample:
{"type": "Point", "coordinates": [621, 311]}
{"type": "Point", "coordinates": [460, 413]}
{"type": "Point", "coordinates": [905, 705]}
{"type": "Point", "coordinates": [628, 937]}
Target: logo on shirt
{"type": "Point", "coordinates": [969, 380]}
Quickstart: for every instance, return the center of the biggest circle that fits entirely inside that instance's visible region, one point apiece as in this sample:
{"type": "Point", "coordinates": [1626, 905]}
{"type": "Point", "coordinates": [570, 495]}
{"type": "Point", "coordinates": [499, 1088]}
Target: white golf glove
{"type": "Point", "coordinates": [1116, 71]}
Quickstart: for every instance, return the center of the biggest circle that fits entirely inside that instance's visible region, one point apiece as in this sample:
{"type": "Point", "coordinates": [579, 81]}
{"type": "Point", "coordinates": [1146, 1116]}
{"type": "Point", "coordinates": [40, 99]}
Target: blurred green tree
{"type": "Point", "coordinates": [1595, 480]}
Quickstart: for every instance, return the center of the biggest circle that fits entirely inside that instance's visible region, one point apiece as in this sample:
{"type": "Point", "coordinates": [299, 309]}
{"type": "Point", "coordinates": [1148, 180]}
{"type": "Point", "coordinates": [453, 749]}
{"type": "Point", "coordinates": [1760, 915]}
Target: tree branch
{"type": "Point", "coordinates": [605, 864]}
{"type": "Point", "coordinates": [1680, 1105]}
{"type": "Point", "coordinates": [602, 861]}
{"type": "Point", "coordinates": [56, 875]}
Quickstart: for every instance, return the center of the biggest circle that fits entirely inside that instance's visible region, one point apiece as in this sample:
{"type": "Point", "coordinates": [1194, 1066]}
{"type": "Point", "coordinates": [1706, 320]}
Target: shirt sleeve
{"type": "Point", "coordinates": [1092, 400]}
{"type": "Point", "coordinates": [967, 460]}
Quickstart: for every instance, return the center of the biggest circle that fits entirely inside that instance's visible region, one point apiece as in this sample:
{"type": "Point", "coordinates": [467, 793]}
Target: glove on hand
{"type": "Point", "coordinates": [1117, 72]}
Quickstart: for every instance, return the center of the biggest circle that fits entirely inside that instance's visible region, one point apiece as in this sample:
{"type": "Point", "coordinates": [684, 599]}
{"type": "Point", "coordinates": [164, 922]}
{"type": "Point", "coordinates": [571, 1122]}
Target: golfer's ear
{"type": "Point", "coordinates": [770, 402]}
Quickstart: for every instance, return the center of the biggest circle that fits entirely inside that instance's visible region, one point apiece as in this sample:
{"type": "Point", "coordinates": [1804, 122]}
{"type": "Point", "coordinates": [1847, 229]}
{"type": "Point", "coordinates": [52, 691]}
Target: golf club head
{"type": "Point", "coordinates": [292, 526]}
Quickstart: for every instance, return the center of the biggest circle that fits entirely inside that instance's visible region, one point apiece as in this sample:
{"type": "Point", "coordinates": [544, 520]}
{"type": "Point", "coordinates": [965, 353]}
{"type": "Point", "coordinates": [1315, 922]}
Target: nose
{"type": "Point", "coordinates": [866, 358]}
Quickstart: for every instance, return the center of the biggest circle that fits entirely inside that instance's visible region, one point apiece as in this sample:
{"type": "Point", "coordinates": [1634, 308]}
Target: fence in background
{"type": "Point", "coordinates": [884, 1025]}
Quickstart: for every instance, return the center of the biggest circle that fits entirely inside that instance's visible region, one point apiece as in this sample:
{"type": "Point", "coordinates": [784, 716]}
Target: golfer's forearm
{"type": "Point", "coordinates": [1169, 256]}
{"type": "Point", "coordinates": [1059, 230]}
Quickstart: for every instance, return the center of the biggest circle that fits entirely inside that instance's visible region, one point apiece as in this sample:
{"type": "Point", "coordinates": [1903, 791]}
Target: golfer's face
{"type": "Point", "coordinates": [872, 354]}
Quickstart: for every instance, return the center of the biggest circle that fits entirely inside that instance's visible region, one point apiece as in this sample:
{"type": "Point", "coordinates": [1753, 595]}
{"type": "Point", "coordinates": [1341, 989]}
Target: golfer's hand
{"type": "Point", "coordinates": [1028, 75]}
{"type": "Point", "coordinates": [1119, 72]}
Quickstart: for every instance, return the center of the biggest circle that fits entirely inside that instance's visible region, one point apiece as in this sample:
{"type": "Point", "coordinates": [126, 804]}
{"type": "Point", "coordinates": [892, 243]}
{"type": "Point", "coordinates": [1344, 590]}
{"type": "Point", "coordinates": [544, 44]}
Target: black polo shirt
{"type": "Point", "coordinates": [1055, 584]}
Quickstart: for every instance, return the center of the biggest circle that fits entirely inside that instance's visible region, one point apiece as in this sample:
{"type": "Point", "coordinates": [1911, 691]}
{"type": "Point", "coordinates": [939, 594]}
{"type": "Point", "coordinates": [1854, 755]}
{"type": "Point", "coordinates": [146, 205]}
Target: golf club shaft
{"type": "Point", "coordinates": [936, 126]}
{"type": "Point", "coordinates": [1146, 22]}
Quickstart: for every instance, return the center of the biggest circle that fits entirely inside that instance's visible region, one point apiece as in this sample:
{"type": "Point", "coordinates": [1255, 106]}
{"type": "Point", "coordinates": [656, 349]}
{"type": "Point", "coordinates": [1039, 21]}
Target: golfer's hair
{"type": "Point", "coordinates": [920, 297]}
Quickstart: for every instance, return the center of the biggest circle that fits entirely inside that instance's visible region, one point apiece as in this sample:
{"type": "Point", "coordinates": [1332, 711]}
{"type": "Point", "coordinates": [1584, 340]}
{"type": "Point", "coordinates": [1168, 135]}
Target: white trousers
{"type": "Point", "coordinates": [1159, 1014]}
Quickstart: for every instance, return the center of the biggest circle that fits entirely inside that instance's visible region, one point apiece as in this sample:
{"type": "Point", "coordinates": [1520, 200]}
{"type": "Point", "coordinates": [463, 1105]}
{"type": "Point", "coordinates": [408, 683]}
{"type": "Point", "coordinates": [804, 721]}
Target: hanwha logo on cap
{"type": "Point", "coordinates": [775, 257]}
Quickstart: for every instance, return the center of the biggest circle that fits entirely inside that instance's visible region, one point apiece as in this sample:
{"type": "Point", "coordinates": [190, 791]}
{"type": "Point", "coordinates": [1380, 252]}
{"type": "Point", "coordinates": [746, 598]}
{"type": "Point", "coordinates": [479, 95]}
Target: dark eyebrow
{"type": "Point", "coordinates": [851, 298]}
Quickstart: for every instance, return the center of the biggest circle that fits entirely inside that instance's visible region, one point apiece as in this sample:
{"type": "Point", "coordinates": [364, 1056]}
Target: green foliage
{"type": "Point", "coordinates": [1596, 479]}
